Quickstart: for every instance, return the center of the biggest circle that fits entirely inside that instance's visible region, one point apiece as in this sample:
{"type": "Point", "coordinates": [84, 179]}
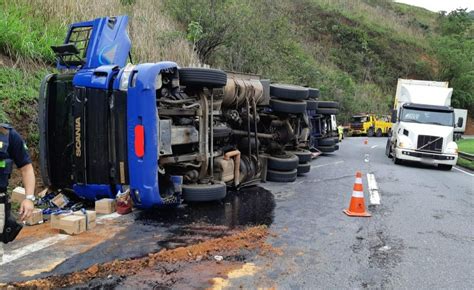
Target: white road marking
{"type": "Point", "coordinates": [373, 189]}
{"type": "Point", "coordinates": [334, 163]}
{"type": "Point", "coordinates": [374, 146]}
{"type": "Point", "coordinates": [470, 174]}
{"type": "Point", "coordinates": [36, 246]}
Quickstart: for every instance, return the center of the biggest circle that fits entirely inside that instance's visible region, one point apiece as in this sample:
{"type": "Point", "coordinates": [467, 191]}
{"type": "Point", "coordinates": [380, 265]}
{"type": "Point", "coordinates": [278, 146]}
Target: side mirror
{"type": "Point", "coordinates": [394, 116]}
{"type": "Point", "coordinates": [460, 122]}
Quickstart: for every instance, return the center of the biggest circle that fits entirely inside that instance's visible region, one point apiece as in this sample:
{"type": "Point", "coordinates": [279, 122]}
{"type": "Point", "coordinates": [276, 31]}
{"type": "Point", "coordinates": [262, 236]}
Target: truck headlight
{"type": "Point", "coordinates": [405, 142]}
{"type": "Point", "coordinates": [124, 79]}
{"type": "Point", "coordinates": [452, 148]}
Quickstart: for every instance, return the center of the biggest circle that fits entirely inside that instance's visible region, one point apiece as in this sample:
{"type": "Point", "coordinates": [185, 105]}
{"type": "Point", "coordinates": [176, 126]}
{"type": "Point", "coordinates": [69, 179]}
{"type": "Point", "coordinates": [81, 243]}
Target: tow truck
{"type": "Point", "coordinates": [370, 125]}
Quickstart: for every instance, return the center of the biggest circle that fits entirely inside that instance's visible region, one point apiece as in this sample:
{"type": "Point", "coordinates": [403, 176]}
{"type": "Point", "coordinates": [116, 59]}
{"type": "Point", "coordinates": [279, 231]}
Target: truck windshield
{"type": "Point", "coordinates": [427, 117]}
{"type": "Point", "coordinates": [359, 119]}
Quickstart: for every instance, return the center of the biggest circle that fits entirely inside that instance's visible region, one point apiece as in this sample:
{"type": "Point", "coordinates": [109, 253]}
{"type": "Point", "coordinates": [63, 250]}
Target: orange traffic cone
{"type": "Point", "coordinates": [357, 205]}
{"type": "Point", "coordinates": [366, 141]}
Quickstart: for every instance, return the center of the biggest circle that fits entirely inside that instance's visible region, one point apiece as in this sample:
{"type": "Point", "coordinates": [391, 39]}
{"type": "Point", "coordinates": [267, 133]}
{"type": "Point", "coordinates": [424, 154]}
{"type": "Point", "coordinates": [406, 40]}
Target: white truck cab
{"type": "Point", "coordinates": [423, 124]}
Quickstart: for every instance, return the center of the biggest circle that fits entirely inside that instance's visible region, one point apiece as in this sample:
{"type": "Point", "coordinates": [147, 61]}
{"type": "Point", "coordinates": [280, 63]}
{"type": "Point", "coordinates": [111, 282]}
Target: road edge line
{"type": "Point", "coordinates": [374, 195]}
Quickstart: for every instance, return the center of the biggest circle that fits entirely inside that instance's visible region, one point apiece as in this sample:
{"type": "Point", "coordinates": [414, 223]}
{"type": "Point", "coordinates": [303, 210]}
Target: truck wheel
{"type": "Point", "coordinates": [311, 105]}
{"type": "Point", "coordinates": [204, 192]}
{"type": "Point", "coordinates": [282, 176]}
{"type": "Point", "coordinates": [330, 105]}
{"type": "Point", "coordinates": [313, 93]}
{"type": "Point", "coordinates": [378, 133]}
{"type": "Point", "coordinates": [303, 155]}
{"type": "Point", "coordinates": [303, 168]}
{"type": "Point", "coordinates": [445, 167]}
{"type": "Point", "coordinates": [396, 160]}
{"type": "Point", "coordinates": [289, 92]}
{"type": "Point", "coordinates": [388, 148]}
{"type": "Point", "coordinates": [326, 149]}
{"type": "Point", "coordinates": [326, 142]}
{"type": "Point", "coordinates": [327, 111]}
{"type": "Point", "coordinates": [370, 132]}
{"type": "Point", "coordinates": [202, 77]}
{"type": "Point", "coordinates": [389, 133]}
{"type": "Point", "coordinates": [285, 162]}
{"type": "Point", "coordinates": [292, 107]}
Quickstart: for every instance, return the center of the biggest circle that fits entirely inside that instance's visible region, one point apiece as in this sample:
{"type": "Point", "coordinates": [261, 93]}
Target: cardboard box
{"type": "Point", "coordinates": [55, 218]}
{"type": "Point", "coordinates": [18, 195]}
{"type": "Point", "coordinates": [90, 218]}
{"type": "Point", "coordinates": [60, 200]}
{"type": "Point", "coordinates": [105, 206]}
{"type": "Point", "coordinates": [73, 224]}
{"type": "Point", "coordinates": [36, 218]}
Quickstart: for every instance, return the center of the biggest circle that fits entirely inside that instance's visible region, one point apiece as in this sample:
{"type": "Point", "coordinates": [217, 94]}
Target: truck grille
{"type": "Point", "coordinates": [430, 143]}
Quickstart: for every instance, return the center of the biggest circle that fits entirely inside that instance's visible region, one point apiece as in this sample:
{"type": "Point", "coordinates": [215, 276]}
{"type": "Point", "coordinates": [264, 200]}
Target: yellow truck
{"type": "Point", "coordinates": [370, 125]}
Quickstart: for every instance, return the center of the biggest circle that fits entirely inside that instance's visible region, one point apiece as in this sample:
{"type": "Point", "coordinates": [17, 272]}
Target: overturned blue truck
{"type": "Point", "coordinates": [168, 133]}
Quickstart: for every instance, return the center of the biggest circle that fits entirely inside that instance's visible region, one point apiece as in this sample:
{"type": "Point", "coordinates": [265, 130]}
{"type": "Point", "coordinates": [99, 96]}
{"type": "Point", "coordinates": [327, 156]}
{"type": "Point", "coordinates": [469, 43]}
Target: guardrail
{"type": "Point", "coordinates": [466, 156]}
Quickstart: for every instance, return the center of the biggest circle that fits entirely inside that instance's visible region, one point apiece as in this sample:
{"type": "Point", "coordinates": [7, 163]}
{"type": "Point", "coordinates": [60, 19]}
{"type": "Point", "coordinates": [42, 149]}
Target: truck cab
{"type": "Point", "coordinates": [423, 124]}
{"type": "Point", "coordinates": [370, 125]}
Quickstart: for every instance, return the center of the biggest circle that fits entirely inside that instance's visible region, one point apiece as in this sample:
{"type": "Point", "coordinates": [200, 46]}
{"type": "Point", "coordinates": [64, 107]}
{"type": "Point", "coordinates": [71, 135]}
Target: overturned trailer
{"type": "Point", "coordinates": [168, 133]}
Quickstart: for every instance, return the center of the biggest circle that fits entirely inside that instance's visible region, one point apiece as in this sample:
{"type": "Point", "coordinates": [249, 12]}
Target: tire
{"type": "Point", "coordinates": [336, 147]}
{"type": "Point", "coordinates": [336, 140]}
{"type": "Point", "coordinates": [378, 133]}
{"type": "Point", "coordinates": [204, 192]}
{"type": "Point", "coordinates": [303, 168]}
{"type": "Point", "coordinates": [303, 155]}
{"type": "Point", "coordinates": [328, 105]}
{"type": "Point", "coordinates": [396, 160]}
{"type": "Point", "coordinates": [292, 107]}
{"type": "Point", "coordinates": [445, 167]}
{"type": "Point", "coordinates": [287, 162]}
{"type": "Point", "coordinates": [326, 142]}
{"type": "Point", "coordinates": [202, 77]}
{"type": "Point", "coordinates": [388, 149]}
{"type": "Point", "coordinates": [326, 149]}
{"type": "Point", "coordinates": [289, 92]}
{"type": "Point", "coordinates": [313, 93]}
{"type": "Point", "coordinates": [326, 111]}
{"type": "Point", "coordinates": [311, 105]}
{"type": "Point", "coordinates": [282, 176]}
{"type": "Point", "coordinates": [370, 132]}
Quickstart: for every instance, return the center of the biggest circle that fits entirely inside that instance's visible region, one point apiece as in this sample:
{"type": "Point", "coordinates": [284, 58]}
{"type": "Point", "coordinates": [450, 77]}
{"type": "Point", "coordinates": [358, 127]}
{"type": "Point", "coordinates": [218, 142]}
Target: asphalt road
{"type": "Point", "coordinates": [420, 236]}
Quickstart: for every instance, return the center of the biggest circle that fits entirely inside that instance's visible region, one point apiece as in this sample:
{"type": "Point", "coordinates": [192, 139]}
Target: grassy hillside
{"type": "Point", "coordinates": [354, 51]}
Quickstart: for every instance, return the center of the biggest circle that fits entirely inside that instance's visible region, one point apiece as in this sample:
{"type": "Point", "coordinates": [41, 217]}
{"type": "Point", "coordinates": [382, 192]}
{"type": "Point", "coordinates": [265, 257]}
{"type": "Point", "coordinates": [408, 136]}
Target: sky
{"type": "Point", "coordinates": [441, 5]}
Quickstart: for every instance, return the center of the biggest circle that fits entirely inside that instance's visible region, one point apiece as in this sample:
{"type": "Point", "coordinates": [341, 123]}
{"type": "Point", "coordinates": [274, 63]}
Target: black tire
{"type": "Point", "coordinates": [326, 149]}
{"type": "Point", "coordinates": [388, 148]}
{"type": "Point", "coordinates": [445, 167]}
{"type": "Point", "coordinates": [292, 107]}
{"type": "Point", "coordinates": [326, 111]}
{"type": "Point", "coordinates": [336, 139]}
{"type": "Point", "coordinates": [204, 192]}
{"type": "Point", "coordinates": [378, 133]}
{"type": "Point", "coordinates": [202, 77]}
{"type": "Point", "coordinates": [326, 142]}
{"type": "Point", "coordinates": [282, 176]}
{"type": "Point", "coordinates": [336, 147]}
{"type": "Point", "coordinates": [313, 93]}
{"type": "Point", "coordinates": [395, 159]}
{"type": "Point", "coordinates": [289, 92]}
{"type": "Point", "coordinates": [370, 132]}
{"type": "Point", "coordinates": [303, 168]}
{"type": "Point", "coordinates": [303, 155]}
{"type": "Point", "coordinates": [328, 105]}
{"type": "Point", "coordinates": [311, 105]}
{"type": "Point", "coordinates": [286, 162]}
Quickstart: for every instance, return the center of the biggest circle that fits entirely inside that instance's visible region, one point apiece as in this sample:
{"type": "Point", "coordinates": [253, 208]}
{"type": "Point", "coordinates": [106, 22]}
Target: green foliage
{"type": "Point", "coordinates": [455, 50]}
{"type": "Point", "coordinates": [23, 33]}
{"type": "Point", "coordinates": [195, 32]}
{"type": "Point", "coordinates": [466, 145]}
{"type": "Point", "coordinates": [18, 98]}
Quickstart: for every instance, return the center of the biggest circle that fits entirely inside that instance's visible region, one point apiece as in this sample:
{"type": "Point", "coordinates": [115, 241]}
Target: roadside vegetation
{"type": "Point", "coordinates": [467, 146]}
{"type": "Point", "coordinates": [354, 51]}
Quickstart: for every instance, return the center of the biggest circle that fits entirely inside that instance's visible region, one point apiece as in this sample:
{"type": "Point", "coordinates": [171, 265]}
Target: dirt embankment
{"type": "Point", "coordinates": [249, 239]}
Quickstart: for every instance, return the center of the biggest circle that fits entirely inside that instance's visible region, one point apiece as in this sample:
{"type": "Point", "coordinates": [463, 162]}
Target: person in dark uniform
{"type": "Point", "coordinates": [13, 150]}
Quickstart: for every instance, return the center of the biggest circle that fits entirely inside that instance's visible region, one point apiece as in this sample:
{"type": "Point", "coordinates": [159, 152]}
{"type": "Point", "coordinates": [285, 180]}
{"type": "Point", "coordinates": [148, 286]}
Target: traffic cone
{"type": "Point", "coordinates": [366, 141]}
{"type": "Point", "coordinates": [357, 205]}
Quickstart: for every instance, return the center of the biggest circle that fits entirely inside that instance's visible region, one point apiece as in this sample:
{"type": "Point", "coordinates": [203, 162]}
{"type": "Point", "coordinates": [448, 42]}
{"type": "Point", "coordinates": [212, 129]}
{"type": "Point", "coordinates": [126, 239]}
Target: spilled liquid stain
{"type": "Point", "coordinates": [153, 230]}
{"type": "Point", "coordinates": [247, 207]}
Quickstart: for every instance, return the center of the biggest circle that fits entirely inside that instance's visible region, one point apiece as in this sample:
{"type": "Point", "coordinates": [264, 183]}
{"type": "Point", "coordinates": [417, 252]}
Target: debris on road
{"type": "Point", "coordinates": [60, 200]}
{"type": "Point", "coordinates": [105, 206]}
{"type": "Point", "coordinates": [18, 194]}
{"type": "Point", "coordinates": [36, 218]}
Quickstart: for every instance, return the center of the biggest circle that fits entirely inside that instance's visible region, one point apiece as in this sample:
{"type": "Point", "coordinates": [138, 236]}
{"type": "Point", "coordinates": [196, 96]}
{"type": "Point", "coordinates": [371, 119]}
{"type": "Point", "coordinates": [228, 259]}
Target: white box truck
{"type": "Point", "coordinates": [423, 124]}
